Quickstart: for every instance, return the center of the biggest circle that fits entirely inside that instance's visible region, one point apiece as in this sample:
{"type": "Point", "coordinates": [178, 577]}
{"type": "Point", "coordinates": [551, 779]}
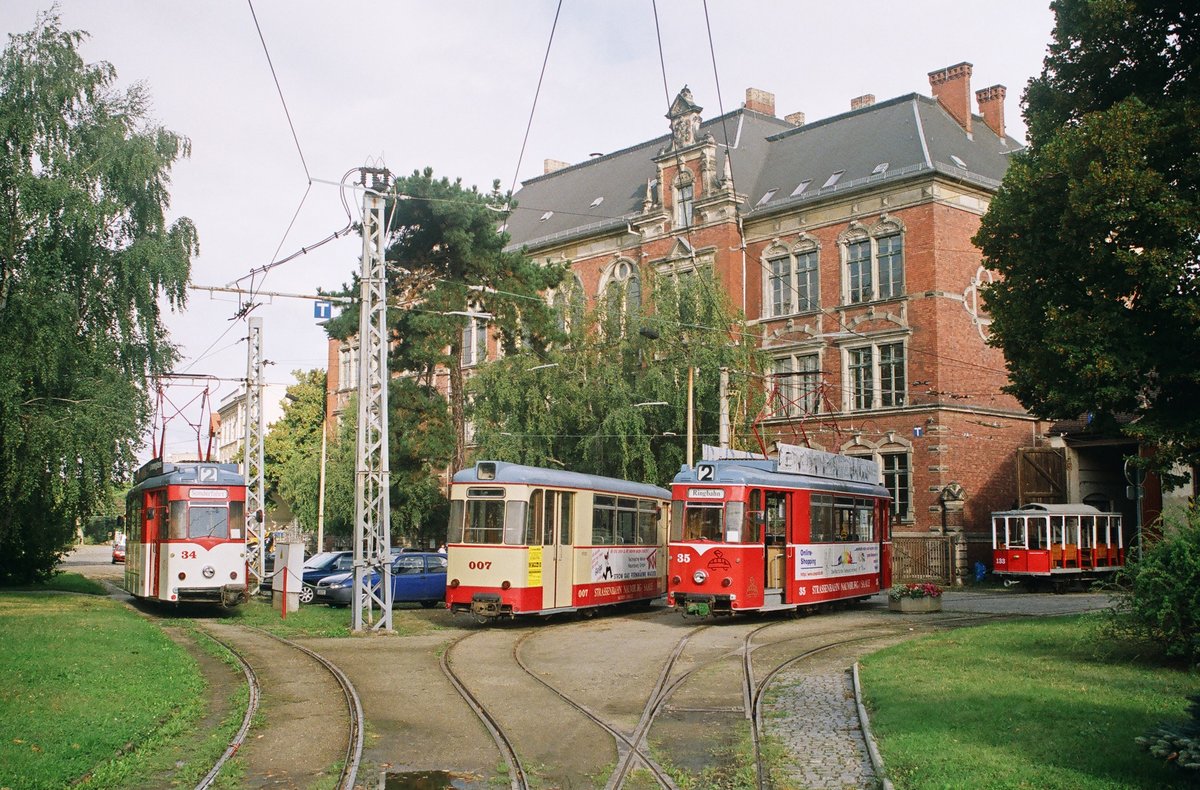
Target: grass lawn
{"type": "Point", "coordinates": [318, 620]}
{"type": "Point", "coordinates": [87, 690]}
{"type": "Point", "coordinates": [68, 582]}
{"type": "Point", "coordinates": [1028, 704]}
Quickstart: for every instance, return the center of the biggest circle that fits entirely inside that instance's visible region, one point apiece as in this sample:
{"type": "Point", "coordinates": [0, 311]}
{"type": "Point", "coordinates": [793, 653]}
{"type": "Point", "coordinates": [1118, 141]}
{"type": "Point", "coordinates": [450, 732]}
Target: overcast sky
{"type": "Point", "coordinates": [450, 85]}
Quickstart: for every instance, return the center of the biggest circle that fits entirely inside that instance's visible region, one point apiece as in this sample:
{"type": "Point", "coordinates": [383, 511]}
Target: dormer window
{"type": "Point", "coordinates": [833, 179]}
{"type": "Point", "coordinates": [803, 185]}
{"type": "Point", "coordinates": [880, 169]}
{"type": "Point", "coordinates": [597, 202]}
{"type": "Point", "coordinates": [546, 216]}
{"type": "Point", "coordinates": [956, 159]}
{"type": "Point", "coordinates": [770, 193]}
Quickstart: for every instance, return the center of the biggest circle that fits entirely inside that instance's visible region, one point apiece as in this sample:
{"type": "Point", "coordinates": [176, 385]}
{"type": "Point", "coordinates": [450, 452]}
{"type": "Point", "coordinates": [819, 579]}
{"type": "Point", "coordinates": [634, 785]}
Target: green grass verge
{"type": "Point", "coordinates": [318, 620]}
{"type": "Point", "coordinates": [87, 689]}
{"type": "Point", "coordinates": [66, 582]}
{"type": "Point", "coordinates": [1029, 704]}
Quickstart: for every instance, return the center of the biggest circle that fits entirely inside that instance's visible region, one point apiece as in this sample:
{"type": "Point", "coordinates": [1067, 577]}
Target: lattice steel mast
{"type": "Point", "coordinates": [252, 452]}
{"type": "Point", "coordinates": [372, 513]}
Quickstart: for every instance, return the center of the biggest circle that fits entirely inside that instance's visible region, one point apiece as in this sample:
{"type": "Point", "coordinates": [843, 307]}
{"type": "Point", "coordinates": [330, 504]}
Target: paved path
{"type": "Point", "coordinates": [815, 714]}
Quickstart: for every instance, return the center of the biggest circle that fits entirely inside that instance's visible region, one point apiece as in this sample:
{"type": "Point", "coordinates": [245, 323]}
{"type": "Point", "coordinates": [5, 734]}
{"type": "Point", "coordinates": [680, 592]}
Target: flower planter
{"type": "Point", "coordinates": [925, 603]}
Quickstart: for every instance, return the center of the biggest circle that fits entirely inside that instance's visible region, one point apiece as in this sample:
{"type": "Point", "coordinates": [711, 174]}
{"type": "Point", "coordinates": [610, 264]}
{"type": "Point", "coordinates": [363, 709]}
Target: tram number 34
{"type": "Point", "coordinates": [480, 565]}
{"type": "Point", "coordinates": [188, 555]}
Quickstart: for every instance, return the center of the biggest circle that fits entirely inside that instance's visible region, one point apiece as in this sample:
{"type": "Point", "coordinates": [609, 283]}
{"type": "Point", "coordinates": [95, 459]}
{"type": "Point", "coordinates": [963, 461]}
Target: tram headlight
{"type": "Point", "coordinates": [208, 571]}
{"type": "Point", "coordinates": [699, 577]}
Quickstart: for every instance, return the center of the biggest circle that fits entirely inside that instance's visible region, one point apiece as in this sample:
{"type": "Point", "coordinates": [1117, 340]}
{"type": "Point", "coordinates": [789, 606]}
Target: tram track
{"type": "Point", "coordinates": [518, 778]}
{"type": "Point", "coordinates": [356, 724]}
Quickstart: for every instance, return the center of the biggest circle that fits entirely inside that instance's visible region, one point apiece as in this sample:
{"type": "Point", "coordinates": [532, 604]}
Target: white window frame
{"type": "Point", "coordinates": [792, 302]}
{"type": "Point", "coordinates": [877, 289]}
{"type": "Point", "coordinates": [685, 202]}
{"type": "Point", "coordinates": [890, 447]}
{"type": "Point", "coordinates": [474, 341]}
{"type": "Point", "coordinates": [797, 377]}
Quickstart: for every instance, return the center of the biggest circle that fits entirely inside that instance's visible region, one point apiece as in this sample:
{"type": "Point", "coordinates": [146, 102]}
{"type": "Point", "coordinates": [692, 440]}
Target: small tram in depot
{"type": "Point", "coordinates": [523, 540]}
{"type": "Point", "coordinates": [1056, 544]}
{"type": "Point", "coordinates": [760, 535]}
{"type": "Point", "coordinates": [186, 533]}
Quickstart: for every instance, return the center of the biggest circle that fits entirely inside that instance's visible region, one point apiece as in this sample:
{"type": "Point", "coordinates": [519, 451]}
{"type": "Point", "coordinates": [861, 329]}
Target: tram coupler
{"type": "Point", "coordinates": [701, 605]}
{"type": "Point", "coordinates": [486, 605]}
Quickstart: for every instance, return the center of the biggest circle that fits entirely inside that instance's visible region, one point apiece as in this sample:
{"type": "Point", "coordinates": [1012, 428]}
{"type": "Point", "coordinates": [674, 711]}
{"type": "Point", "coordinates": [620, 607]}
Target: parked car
{"type": "Point", "coordinates": [417, 577]}
{"type": "Point", "coordinates": [118, 551]}
{"type": "Point", "coordinates": [317, 567]}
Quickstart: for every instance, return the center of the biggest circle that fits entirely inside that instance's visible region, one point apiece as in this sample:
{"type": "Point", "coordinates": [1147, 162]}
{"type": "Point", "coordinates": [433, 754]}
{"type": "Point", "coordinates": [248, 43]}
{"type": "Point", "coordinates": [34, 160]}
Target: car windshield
{"type": "Point", "coordinates": [321, 560]}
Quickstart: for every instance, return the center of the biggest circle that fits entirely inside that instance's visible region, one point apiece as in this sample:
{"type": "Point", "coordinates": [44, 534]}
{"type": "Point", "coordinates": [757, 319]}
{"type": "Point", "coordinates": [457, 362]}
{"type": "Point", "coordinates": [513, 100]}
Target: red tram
{"type": "Point", "coordinates": [1056, 543]}
{"type": "Point", "coordinates": [526, 540]}
{"type": "Point", "coordinates": [760, 535]}
{"type": "Point", "coordinates": [186, 533]}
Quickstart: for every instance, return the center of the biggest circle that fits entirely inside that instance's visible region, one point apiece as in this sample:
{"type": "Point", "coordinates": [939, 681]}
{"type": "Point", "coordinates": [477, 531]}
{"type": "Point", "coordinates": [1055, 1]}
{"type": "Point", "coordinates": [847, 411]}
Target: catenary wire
{"type": "Point", "coordinates": [533, 109]}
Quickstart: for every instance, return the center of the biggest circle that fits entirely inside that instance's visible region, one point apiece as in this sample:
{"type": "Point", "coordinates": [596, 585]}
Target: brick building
{"type": "Point", "coordinates": [846, 242]}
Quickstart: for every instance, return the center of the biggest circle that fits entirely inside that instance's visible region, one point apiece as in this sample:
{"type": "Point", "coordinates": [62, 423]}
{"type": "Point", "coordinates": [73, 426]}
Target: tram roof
{"type": "Point", "coordinates": [1055, 509]}
{"type": "Point", "coordinates": [536, 475]}
{"type": "Point", "coordinates": [157, 472]}
{"type": "Point", "coordinates": [766, 473]}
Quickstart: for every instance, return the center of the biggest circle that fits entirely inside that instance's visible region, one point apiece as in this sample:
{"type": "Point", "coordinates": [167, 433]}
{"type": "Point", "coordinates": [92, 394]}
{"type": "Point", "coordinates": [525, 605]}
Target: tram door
{"type": "Point", "coordinates": [154, 531]}
{"type": "Point", "coordinates": [557, 554]}
{"type": "Point", "coordinates": [775, 532]}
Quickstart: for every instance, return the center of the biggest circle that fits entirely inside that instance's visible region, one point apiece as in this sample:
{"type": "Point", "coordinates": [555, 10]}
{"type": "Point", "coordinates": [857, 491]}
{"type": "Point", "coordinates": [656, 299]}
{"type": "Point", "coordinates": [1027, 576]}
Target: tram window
{"type": "Point", "coordinates": [865, 517]}
{"type": "Point", "coordinates": [602, 525]}
{"type": "Point", "coordinates": [1087, 527]}
{"type": "Point", "coordinates": [565, 501]}
{"type": "Point", "coordinates": [484, 521]}
{"type": "Point", "coordinates": [755, 518]}
{"type": "Point", "coordinates": [776, 526]}
{"type": "Point", "coordinates": [237, 519]}
{"type": "Point", "coordinates": [735, 522]}
{"type": "Point", "coordinates": [548, 519]}
{"type": "Point", "coordinates": [176, 521]}
{"type": "Point", "coordinates": [647, 522]}
{"type": "Point", "coordinates": [703, 523]}
{"type": "Point", "coordinates": [514, 522]}
{"type": "Point", "coordinates": [627, 525]}
{"type": "Point", "coordinates": [208, 522]}
{"type": "Point", "coordinates": [844, 528]}
{"type": "Point", "coordinates": [533, 522]}
{"type": "Point", "coordinates": [454, 527]}
{"type": "Point", "coordinates": [821, 516]}
{"type": "Point", "coordinates": [676, 520]}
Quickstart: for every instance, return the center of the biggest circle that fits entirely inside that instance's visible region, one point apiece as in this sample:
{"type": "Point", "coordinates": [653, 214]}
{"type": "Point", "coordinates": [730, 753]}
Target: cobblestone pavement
{"type": "Point", "coordinates": [813, 711]}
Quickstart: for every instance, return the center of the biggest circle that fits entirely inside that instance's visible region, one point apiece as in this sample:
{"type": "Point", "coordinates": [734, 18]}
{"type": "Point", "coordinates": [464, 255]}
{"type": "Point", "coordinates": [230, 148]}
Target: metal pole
{"type": "Point", "coordinates": [321, 497]}
{"type": "Point", "coordinates": [252, 453]}
{"type": "Point", "coordinates": [691, 415]}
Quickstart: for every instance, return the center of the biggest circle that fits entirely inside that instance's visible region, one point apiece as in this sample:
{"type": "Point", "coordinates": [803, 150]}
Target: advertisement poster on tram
{"type": "Point", "coordinates": [621, 563]}
{"type": "Point", "coordinates": [838, 559]}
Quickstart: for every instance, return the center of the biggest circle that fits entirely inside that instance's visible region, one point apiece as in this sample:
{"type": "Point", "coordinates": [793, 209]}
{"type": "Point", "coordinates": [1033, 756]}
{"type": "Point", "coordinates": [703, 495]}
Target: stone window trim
{"type": "Point", "coordinates": [623, 272]}
{"type": "Point", "coordinates": [802, 259]}
{"type": "Point", "coordinates": [801, 386]}
{"type": "Point", "coordinates": [874, 272]}
{"type": "Point", "coordinates": [685, 197]}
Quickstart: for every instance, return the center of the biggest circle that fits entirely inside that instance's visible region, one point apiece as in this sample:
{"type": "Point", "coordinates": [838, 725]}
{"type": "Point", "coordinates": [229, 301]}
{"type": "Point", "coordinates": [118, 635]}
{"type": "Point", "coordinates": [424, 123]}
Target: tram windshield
{"type": "Point", "coordinates": [198, 521]}
{"type": "Point", "coordinates": [703, 523]}
{"type": "Point", "coordinates": [486, 518]}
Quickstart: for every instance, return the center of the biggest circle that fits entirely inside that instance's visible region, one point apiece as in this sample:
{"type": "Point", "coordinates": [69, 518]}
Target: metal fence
{"type": "Point", "coordinates": [923, 559]}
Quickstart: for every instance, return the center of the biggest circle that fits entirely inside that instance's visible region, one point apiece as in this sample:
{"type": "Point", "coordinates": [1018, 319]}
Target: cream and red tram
{"type": "Point", "coordinates": [1056, 543]}
{"type": "Point", "coordinates": [758, 535]}
{"type": "Point", "coordinates": [526, 540]}
{"type": "Point", "coordinates": [186, 533]}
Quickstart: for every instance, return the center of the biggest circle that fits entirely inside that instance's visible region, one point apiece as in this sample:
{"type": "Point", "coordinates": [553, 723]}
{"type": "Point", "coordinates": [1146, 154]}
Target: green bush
{"type": "Point", "coordinates": [1159, 595]}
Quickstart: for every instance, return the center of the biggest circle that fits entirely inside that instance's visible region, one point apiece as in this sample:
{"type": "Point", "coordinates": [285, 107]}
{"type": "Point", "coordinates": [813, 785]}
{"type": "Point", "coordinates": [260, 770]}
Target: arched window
{"type": "Point", "coordinates": [873, 261]}
{"type": "Point", "coordinates": [622, 291]}
{"type": "Point", "coordinates": [685, 200]}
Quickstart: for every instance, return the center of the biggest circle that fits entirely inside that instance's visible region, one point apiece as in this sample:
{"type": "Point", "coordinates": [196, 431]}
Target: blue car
{"type": "Point", "coordinates": [417, 577]}
{"type": "Point", "coordinates": [316, 567]}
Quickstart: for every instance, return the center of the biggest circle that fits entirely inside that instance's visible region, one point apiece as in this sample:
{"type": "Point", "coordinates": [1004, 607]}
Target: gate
{"type": "Point", "coordinates": [1042, 475]}
{"type": "Point", "coordinates": [921, 558]}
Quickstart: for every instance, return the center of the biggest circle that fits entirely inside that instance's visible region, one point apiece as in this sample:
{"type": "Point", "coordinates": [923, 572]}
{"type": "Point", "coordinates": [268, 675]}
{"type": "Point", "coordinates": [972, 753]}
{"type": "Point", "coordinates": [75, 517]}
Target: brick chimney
{"type": "Point", "coordinates": [991, 107]}
{"type": "Point", "coordinates": [795, 119]}
{"type": "Point", "coordinates": [866, 100]}
{"type": "Point", "coordinates": [760, 101]}
{"type": "Point", "coordinates": [952, 88]}
{"type": "Point", "coordinates": [550, 165]}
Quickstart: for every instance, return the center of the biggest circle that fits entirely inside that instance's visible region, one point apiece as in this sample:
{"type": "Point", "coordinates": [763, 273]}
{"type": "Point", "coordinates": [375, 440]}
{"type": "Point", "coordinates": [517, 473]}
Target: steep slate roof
{"type": "Point", "coordinates": [912, 133]}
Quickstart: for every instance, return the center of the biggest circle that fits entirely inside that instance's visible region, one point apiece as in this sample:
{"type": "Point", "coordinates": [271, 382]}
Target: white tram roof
{"type": "Point", "coordinates": [1042, 508]}
{"type": "Point", "coordinates": [561, 478]}
{"type": "Point", "coordinates": [156, 473]}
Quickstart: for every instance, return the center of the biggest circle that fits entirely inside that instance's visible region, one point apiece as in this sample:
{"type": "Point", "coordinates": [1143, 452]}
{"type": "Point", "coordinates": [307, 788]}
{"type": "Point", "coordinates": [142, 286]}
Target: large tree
{"type": "Point", "coordinates": [1096, 227]}
{"type": "Point", "coordinates": [87, 261]}
{"type": "Point", "coordinates": [611, 398]}
{"type": "Point", "coordinates": [292, 448]}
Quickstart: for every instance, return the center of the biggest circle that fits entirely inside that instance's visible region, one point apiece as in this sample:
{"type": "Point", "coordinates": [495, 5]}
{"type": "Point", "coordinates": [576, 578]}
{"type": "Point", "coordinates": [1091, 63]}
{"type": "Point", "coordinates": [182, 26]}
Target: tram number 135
{"type": "Point", "coordinates": [480, 565]}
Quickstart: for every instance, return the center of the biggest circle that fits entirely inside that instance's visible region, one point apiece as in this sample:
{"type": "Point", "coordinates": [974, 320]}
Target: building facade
{"type": "Point", "coordinates": [847, 244]}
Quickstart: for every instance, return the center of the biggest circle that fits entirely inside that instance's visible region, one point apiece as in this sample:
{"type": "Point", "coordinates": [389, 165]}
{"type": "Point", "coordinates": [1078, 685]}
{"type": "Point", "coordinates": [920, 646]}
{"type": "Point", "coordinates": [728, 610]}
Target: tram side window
{"type": "Point", "coordinates": [237, 519]}
{"type": "Point", "coordinates": [1016, 531]}
{"type": "Point", "coordinates": [177, 528]}
{"type": "Point", "coordinates": [844, 528]}
{"type": "Point", "coordinates": [1039, 531]}
{"type": "Point", "coordinates": [821, 514]}
{"type": "Point", "coordinates": [755, 518]}
{"type": "Point", "coordinates": [647, 522]}
{"type": "Point", "coordinates": [603, 518]}
{"type": "Point", "coordinates": [207, 522]}
{"type": "Point", "coordinates": [627, 521]}
{"type": "Point", "coordinates": [548, 520]}
{"type": "Point", "coordinates": [776, 518]}
{"type": "Point", "coordinates": [533, 522]}
{"type": "Point", "coordinates": [865, 517]}
{"type": "Point", "coordinates": [514, 522]}
{"type": "Point", "coordinates": [676, 521]}
{"type": "Point", "coordinates": [735, 523]}
{"type": "Point", "coordinates": [454, 527]}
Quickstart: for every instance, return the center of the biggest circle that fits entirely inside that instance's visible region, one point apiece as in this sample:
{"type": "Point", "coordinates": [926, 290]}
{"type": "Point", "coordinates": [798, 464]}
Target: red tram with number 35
{"type": "Point", "coordinates": [760, 535]}
{"type": "Point", "coordinates": [186, 533]}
